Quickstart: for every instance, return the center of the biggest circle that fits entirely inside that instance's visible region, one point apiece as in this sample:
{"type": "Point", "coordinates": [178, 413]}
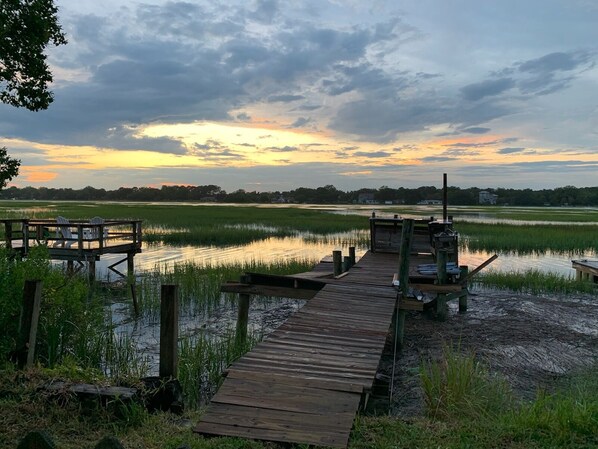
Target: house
{"type": "Point", "coordinates": [487, 197]}
{"type": "Point", "coordinates": [366, 198]}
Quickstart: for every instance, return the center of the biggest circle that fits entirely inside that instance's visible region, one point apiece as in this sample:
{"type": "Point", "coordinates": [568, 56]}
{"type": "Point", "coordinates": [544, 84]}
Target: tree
{"type": "Point", "coordinates": [26, 28]}
{"type": "Point", "coordinates": [9, 167]}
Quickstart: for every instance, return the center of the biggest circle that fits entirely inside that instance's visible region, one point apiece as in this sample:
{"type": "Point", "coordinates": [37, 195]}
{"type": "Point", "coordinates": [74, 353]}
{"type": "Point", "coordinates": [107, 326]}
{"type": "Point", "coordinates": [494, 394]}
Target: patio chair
{"type": "Point", "coordinates": [64, 236]}
{"type": "Point", "coordinates": [94, 232]}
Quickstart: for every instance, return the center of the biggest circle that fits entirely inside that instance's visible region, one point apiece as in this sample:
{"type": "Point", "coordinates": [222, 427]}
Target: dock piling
{"type": "Point", "coordinates": [441, 306]}
{"type": "Point", "coordinates": [337, 262]}
{"type": "Point", "coordinates": [169, 330]}
{"type": "Point", "coordinates": [405, 251]}
{"type": "Point", "coordinates": [32, 297]}
{"type": "Point", "coordinates": [352, 254]}
{"type": "Point", "coordinates": [242, 315]}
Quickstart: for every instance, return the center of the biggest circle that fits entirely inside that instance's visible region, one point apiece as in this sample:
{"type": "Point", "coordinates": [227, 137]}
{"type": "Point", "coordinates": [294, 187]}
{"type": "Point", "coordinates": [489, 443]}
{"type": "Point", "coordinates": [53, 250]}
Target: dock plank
{"type": "Point", "coordinates": [305, 381]}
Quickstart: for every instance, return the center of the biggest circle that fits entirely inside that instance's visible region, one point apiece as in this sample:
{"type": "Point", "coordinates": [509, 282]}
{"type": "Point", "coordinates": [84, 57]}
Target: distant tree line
{"type": "Point", "coordinates": [561, 196]}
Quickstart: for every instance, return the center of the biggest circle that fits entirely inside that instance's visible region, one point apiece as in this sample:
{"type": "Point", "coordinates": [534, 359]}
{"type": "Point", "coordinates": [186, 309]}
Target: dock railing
{"type": "Point", "coordinates": [22, 234]}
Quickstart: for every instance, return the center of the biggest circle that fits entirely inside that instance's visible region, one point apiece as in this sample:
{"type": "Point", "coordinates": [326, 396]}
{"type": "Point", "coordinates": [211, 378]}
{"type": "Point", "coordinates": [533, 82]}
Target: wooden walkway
{"type": "Point", "coordinates": [305, 382]}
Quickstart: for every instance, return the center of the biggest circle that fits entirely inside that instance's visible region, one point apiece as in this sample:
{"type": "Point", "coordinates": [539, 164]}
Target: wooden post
{"type": "Point", "coordinates": [25, 229]}
{"type": "Point", "coordinates": [346, 263]}
{"type": "Point", "coordinates": [337, 262]}
{"type": "Point", "coordinates": [8, 234]}
{"type": "Point", "coordinates": [441, 307]}
{"type": "Point", "coordinates": [131, 279]}
{"type": "Point", "coordinates": [32, 298]}
{"type": "Point", "coordinates": [464, 270]}
{"type": "Point", "coordinates": [578, 275]}
{"type": "Point", "coordinates": [91, 267]}
{"type": "Point", "coordinates": [169, 330]}
{"type": "Point", "coordinates": [405, 251]}
{"type": "Point", "coordinates": [444, 198]}
{"type": "Point", "coordinates": [242, 315]}
{"type": "Point", "coordinates": [352, 254]}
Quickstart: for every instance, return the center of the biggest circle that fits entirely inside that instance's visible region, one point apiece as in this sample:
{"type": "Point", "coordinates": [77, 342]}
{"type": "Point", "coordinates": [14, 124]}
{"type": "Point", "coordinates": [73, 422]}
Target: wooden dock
{"type": "Point", "coordinates": [586, 270]}
{"type": "Point", "coordinates": [83, 241]}
{"type": "Point", "coordinates": [305, 382]}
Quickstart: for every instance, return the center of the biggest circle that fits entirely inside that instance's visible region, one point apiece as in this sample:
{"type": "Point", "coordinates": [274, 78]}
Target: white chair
{"type": "Point", "coordinates": [94, 232]}
{"type": "Point", "coordinates": [63, 233]}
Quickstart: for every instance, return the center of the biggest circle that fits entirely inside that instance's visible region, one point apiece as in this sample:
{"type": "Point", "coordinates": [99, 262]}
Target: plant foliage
{"type": "Point", "coordinates": [26, 29]}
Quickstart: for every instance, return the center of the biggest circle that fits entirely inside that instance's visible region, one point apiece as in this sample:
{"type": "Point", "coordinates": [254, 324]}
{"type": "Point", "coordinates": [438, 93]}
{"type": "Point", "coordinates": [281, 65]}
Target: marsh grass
{"type": "Point", "coordinates": [535, 282]}
{"type": "Point", "coordinates": [536, 239]}
{"type": "Point", "coordinates": [199, 284]}
{"type": "Point", "coordinates": [460, 384]}
{"type": "Point", "coordinates": [204, 358]}
{"type": "Point", "coordinates": [192, 224]}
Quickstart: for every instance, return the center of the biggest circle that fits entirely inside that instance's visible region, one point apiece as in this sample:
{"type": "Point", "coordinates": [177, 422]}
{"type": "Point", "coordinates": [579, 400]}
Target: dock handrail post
{"type": "Point", "coordinates": [169, 330]}
{"type": "Point", "coordinates": [404, 253]}
{"type": "Point", "coordinates": [8, 234]}
{"type": "Point", "coordinates": [441, 308]}
{"type": "Point", "coordinates": [352, 254]}
{"type": "Point", "coordinates": [25, 229]}
{"type": "Point", "coordinates": [337, 262]}
{"type": "Point", "coordinates": [242, 315]}
{"type": "Point", "coordinates": [32, 297]}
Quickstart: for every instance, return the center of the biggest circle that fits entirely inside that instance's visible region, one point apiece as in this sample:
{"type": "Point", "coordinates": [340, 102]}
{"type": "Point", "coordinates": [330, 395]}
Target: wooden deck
{"type": "Point", "coordinates": [76, 240]}
{"type": "Point", "coordinates": [305, 382]}
{"type": "Point", "coordinates": [586, 270]}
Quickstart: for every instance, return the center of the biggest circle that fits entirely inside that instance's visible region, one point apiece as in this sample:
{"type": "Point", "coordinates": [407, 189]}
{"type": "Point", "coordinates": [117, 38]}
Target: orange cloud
{"type": "Point", "coordinates": [39, 176]}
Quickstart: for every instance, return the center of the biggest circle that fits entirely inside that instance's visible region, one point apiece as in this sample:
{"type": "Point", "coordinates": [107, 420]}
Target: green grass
{"type": "Point", "coordinates": [461, 385]}
{"type": "Point", "coordinates": [535, 282]}
{"type": "Point", "coordinates": [469, 408]}
{"type": "Point", "coordinates": [196, 224]}
{"type": "Point", "coordinates": [537, 239]}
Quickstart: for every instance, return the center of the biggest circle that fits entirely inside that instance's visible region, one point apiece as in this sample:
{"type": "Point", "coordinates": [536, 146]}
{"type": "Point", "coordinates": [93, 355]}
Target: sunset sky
{"type": "Point", "coordinates": [272, 95]}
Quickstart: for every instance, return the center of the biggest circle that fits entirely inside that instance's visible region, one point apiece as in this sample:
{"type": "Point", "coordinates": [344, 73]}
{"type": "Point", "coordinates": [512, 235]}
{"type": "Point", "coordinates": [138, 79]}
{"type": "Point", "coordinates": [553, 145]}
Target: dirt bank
{"type": "Point", "coordinates": [530, 340]}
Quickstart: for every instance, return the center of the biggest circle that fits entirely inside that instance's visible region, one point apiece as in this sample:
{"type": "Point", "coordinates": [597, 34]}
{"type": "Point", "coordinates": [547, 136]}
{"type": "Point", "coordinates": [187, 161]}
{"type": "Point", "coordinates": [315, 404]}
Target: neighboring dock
{"type": "Point", "coordinates": [586, 270]}
{"type": "Point", "coordinates": [82, 241]}
{"type": "Point", "coordinates": [306, 381]}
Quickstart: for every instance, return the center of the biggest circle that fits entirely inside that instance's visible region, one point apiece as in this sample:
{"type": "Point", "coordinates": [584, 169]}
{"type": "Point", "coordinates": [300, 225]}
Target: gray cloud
{"type": "Point", "coordinates": [284, 98]}
{"type": "Point", "coordinates": [477, 91]}
{"type": "Point", "coordinates": [373, 154]}
{"type": "Point", "coordinates": [510, 150]}
{"type": "Point", "coordinates": [285, 149]}
{"type": "Point", "coordinates": [300, 122]}
{"type": "Point", "coordinates": [475, 130]}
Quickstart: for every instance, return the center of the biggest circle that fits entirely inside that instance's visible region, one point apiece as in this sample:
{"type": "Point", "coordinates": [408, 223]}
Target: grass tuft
{"type": "Point", "coordinates": [459, 384]}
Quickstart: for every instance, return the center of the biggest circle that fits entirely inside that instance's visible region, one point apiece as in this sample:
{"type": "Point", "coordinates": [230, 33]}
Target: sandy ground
{"type": "Point", "coordinates": [530, 340]}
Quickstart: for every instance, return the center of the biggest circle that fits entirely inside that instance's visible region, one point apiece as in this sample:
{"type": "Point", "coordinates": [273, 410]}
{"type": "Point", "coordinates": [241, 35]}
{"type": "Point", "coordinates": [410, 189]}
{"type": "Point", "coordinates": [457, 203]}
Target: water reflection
{"type": "Point", "coordinates": [315, 248]}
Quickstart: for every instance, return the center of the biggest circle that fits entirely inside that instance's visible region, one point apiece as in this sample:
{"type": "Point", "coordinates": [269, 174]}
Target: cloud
{"type": "Point", "coordinates": [215, 152]}
{"type": "Point", "coordinates": [475, 130]}
{"type": "Point", "coordinates": [372, 154]}
{"type": "Point", "coordinates": [437, 159]}
{"type": "Point", "coordinates": [284, 98]}
{"type": "Point", "coordinates": [285, 149]}
{"type": "Point", "coordinates": [510, 150]}
{"type": "Point", "coordinates": [554, 62]}
{"type": "Point", "coordinates": [300, 122]}
{"type": "Point", "coordinates": [477, 91]}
